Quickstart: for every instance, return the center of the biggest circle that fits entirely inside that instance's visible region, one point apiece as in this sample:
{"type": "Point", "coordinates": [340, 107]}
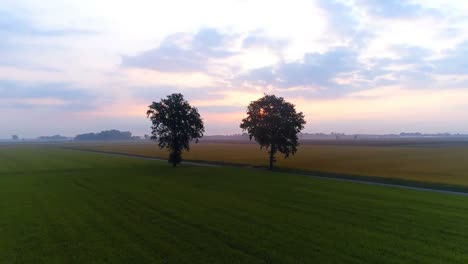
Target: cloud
{"type": "Point", "coordinates": [337, 54]}
{"type": "Point", "coordinates": [45, 95]}
{"type": "Point", "coordinates": [340, 16]}
{"type": "Point", "coordinates": [148, 94]}
{"type": "Point", "coordinates": [387, 109]}
{"type": "Point", "coordinates": [314, 70]}
{"type": "Point", "coordinates": [454, 61]}
{"type": "Point", "coordinates": [394, 8]}
{"type": "Point", "coordinates": [154, 78]}
{"type": "Point", "coordinates": [409, 68]}
{"type": "Point", "coordinates": [417, 68]}
{"type": "Point", "coordinates": [183, 52]}
{"type": "Point", "coordinates": [14, 25]}
{"type": "Point", "coordinates": [259, 39]}
{"type": "Point", "coordinates": [341, 71]}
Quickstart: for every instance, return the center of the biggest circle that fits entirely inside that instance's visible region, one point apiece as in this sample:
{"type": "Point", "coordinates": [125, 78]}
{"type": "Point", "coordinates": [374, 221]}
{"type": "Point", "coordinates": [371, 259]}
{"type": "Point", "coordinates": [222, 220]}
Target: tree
{"type": "Point", "coordinates": [175, 124]}
{"type": "Point", "coordinates": [274, 124]}
{"type": "Point", "coordinates": [15, 137]}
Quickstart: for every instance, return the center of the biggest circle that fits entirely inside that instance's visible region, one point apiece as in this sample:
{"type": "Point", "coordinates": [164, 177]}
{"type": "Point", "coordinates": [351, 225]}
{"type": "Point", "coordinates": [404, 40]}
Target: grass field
{"type": "Point", "coordinates": [65, 206]}
{"type": "Point", "coordinates": [433, 163]}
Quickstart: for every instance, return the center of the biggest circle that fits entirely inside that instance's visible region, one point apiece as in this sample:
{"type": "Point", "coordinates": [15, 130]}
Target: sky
{"type": "Point", "coordinates": [354, 66]}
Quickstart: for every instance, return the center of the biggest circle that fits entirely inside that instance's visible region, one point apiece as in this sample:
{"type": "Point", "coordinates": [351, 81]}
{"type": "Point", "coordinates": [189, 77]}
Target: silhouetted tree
{"type": "Point", "coordinates": [15, 137]}
{"type": "Point", "coordinates": [274, 124]}
{"type": "Point", "coordinates": [175, 124]}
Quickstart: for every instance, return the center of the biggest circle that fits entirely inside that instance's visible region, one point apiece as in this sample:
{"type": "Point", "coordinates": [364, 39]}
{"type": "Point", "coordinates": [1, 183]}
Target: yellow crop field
{"type": "Point", "coordinates": [446, 165]}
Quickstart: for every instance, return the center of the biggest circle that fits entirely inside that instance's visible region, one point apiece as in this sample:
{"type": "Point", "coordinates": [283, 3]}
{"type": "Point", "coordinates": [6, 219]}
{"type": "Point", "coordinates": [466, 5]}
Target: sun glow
{"type": "Point", "coordinates": [261, 112]}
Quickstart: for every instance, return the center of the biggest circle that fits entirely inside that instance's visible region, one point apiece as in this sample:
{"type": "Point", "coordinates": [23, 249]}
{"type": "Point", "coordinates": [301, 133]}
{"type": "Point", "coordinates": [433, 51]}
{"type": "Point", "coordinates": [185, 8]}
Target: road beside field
{"type": "Point", "coordinates": [346, 178]}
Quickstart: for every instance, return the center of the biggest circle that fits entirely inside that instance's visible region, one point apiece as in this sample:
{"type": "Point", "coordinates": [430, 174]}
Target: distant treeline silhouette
{"type": "Point", "coordinates": [106, 135]}
{"type": "Point", "coordinates": [52, 138]}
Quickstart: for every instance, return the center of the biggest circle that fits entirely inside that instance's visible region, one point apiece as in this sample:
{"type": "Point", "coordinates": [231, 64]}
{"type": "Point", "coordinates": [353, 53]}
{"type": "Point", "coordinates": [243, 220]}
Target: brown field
{"type": "Point", "coordinates": [423, 162]}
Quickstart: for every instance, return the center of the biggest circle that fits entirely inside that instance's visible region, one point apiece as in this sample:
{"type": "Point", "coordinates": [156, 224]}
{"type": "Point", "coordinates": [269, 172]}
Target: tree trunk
{"type": "Point", "coordinates": [272, 157]}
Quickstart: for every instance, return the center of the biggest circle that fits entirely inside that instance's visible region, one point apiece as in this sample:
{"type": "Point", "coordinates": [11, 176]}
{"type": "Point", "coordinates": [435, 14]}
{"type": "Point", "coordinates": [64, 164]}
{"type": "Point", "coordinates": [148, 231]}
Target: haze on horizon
{"type": "Point", "coordinates": [355, 66]}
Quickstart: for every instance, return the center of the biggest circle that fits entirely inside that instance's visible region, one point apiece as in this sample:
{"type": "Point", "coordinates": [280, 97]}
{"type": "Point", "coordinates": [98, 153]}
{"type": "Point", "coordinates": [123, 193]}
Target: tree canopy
{"type": "Point", "coordinates": [274, 124]}
{"type": "Point", "coordinates": [175, 124]}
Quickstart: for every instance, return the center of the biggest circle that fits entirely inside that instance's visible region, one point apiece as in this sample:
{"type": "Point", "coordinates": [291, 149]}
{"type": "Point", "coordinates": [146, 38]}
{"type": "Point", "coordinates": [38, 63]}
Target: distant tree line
{"type": "Point", "coordinates": [106, 135]}
{"type": "Point", "coordinates": [52, 138]}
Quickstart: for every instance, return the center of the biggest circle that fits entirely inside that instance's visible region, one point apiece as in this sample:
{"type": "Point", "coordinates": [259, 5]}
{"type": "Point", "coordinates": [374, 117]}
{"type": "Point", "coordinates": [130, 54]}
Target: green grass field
{"type": "Point", "coordinates": [65, 206]}
{"type": "Point", "coordinates": [422, 163]}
